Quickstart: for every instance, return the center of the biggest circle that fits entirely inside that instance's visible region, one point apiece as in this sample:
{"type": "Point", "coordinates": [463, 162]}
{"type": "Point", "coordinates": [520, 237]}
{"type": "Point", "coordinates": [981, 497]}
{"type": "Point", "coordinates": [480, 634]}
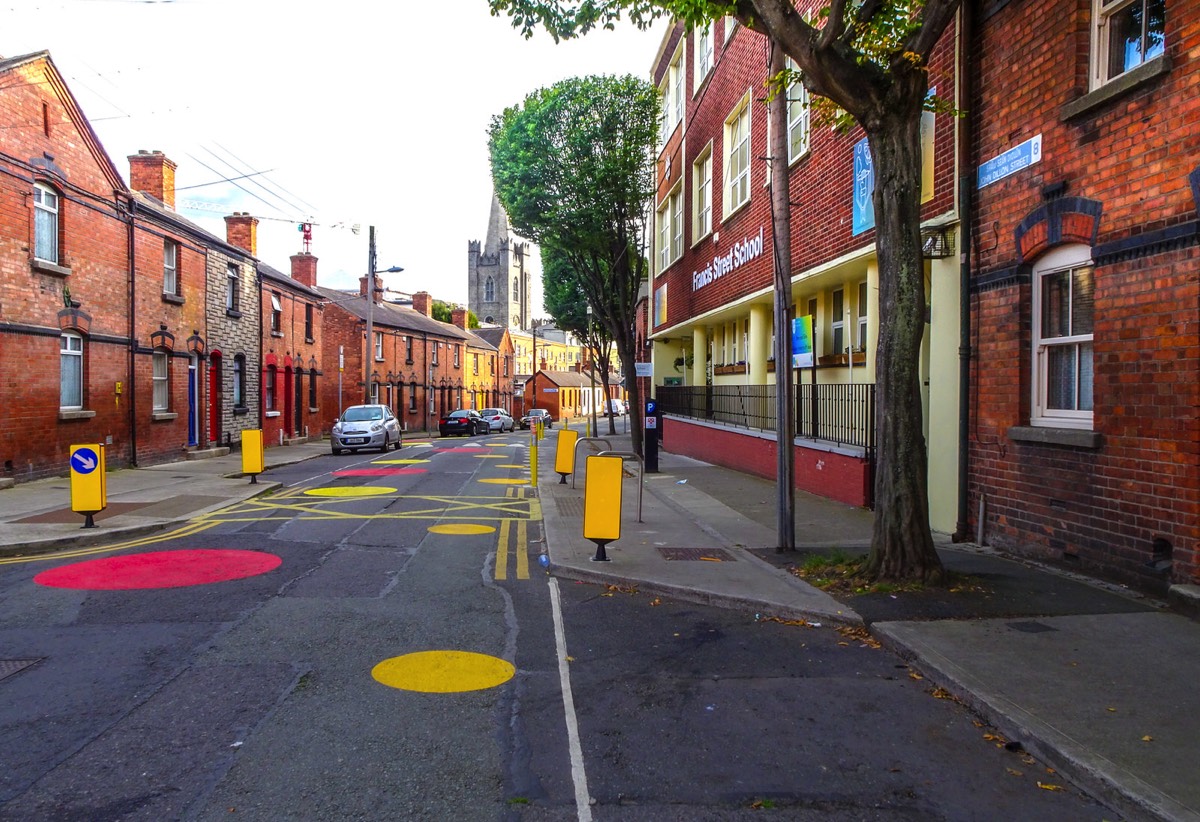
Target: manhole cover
{"type": "Point", "coordinates": [8, 667]}
{"type": "Point", "coordinates": [1031, 627]}
{"type": "Point", "coordinates": [705, 554]}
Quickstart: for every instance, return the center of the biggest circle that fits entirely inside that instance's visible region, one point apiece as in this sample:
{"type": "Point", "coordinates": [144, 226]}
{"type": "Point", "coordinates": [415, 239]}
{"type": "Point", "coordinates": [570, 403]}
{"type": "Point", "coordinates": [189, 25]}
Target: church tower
{"type": "Point", "coordinates": [498, 287]}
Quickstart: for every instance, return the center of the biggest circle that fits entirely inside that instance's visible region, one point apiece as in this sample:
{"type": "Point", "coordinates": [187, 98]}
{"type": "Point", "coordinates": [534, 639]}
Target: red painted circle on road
{"type": "Point", "coordinates": [464, 449]}
{"type": "Point", "coordinates": [377, 472]}
{"type": "Point", "coordinates": [160, 569]}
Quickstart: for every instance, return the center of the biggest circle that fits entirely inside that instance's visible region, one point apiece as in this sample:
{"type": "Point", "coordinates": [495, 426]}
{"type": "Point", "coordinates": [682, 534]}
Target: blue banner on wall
{"type": "Point", "coordinates": [864, 188]}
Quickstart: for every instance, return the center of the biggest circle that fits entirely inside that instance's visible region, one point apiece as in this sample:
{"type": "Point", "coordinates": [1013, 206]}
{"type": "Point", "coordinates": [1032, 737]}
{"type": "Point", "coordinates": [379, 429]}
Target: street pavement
{"type": "Point", "coordinates": [1096, 681]}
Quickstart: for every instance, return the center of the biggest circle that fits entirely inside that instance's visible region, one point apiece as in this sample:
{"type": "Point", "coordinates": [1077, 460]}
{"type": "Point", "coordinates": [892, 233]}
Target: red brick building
{"type": "Point", "coordinates": [1085, 433]}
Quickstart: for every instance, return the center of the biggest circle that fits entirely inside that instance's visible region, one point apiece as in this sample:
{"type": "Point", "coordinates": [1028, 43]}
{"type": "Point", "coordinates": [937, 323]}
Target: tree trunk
{"type": "Point", "coordinates": [627, 348]}
{"type": "Point", "coordinates": [901, 545]}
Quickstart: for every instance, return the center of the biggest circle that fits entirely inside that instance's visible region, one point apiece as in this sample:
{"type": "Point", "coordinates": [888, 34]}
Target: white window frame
{"type": "Point", "coordinates": [171, 268]}
{"type": "Point", "coordinates": [702, 195]}
{"type": "Point", "coordinates": [232, 287]}
{"type": "Point", "coordinates": [1104, 13]}
{"type": "Point", "coordinates": [70, 363]}
{"type": "Point", "coordinates": [861, 340]}
{"type": "Point", "coordinates": [276, 314]}
{"type": "Point", "coordinates": [672, 96]}
{"type": "Point", "coordinates": [239, 380]}
{"type": "Point", "coordinates": [704, 54]}
{"type": "Point", "coordinates": [160, 370]}
{"type": "Point", "coordinates": [46, 210]}
{"type": "Point", "coordinates": [378, 345]}
{"type": "Point", "coordinates": [269, 387]}
{"type": "Point", "coordinates": [670, 228]}
{"type": "Point", "coordinates": [737, 146]}
{"type": "Point", "coordinates": [837, 320]}
{"type": "Point", "coordinates": [1068, 259]}
{"type": "Point", "coordinates": [799, 123]}
{"type": "Point", "coordinates": [731, 25]}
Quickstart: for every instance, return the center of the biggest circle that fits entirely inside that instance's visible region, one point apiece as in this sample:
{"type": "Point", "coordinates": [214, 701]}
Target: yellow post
{"type": "Point", "coordinates": [533, 458]}
{"type": "Point", "coordinates": [564, 457]}
{"type": "Point", "coordinates": [253, 457]}
{"type": "Point", "coordinates": [602, 502]}
{"type": "Point", "coordinates": [89, 482]}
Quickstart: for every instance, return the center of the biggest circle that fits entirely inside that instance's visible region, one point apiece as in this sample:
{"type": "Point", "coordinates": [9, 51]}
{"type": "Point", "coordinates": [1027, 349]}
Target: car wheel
{"type": "Point", "coordinates": [337, 452]}
{"type": "Point", "coordinates": [387, 444]}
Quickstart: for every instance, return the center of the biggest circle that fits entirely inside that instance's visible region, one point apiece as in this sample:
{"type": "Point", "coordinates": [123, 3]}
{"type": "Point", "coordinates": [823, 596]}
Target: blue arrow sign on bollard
{"type": "Point", "coordinates": [84, 461]}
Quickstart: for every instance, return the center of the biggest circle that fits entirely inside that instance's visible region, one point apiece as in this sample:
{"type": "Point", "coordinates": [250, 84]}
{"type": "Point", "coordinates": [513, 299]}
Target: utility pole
{"type": "Point", "coordinates": [370, 347]}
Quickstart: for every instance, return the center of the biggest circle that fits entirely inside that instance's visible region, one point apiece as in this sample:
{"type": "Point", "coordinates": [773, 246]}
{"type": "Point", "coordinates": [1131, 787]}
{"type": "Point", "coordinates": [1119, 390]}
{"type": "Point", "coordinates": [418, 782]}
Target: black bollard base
{"type": "Point", "coordinates": [254, 479]}
{"type": "Point", "coordinates": [562, 478]}
{"type": "Point", "coordinates": [600, 555]}
{"type": "Point", "coordinates": [88, 521]}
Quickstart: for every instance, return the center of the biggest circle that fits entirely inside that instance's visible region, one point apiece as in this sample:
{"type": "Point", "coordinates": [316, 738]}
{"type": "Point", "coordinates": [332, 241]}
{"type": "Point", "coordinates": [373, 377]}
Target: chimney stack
{"type": "Point", "coordinates": [241, 230]}
{"type": "Point", "coordinates": [362, 287]}
{"type": "Point", "coordinates": [304, 269]}
{"type": "Point", "coordinates": [423, 303]}
{"type": "Point", "coordinates": [458, 316]}
{"type": "Point", "coordinates": [152, 173]}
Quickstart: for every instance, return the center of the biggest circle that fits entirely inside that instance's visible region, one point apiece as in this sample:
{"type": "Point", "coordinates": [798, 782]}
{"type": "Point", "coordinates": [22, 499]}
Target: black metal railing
{"type": "Point", "coordinates": [838, 413]}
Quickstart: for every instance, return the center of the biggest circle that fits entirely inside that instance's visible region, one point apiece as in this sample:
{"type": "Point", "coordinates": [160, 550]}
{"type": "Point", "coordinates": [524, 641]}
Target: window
{"type": "Point", "coordinates": [457, 354]}
{"type": "Point", "coordinates": [239, 381]}
{"type": "Point", "coordinates": [672, 97]}
{"type": "Point", "coordinates": [506, 358]}
{"type": "Point", "coordinates": [731, 24]}
{"type": "Point", "coordinates": [797, 116]}
{"type": "Point", "coordinates": [434, 354]}
{"type": "Point", "coordinates": [408, 349]}
{"type": "Point", "coordinates": [412, 396]}
{"type": "Point", "coordinates": [232, 299]}
{"type": "Point", "coordinates": [838, 322]}
{"type": "Point", "coordinates": [161, 396]}
{"type": "Point", "coordinates": [704, 53]}
{"type": "Point", "coordinates": [308, 321]}
{"type": "Point", "coordinates": [489, 290]}
{"type": "Point", "coordinates": [45, 223]}
{"type": "Point", "coordinates": [862, 317]}
{"type": "Point", "coordinates": [312, 388]}
{"type": "Point", "coordinates": [670, 229]}
{"type": "Point", "coordinates": [276, 314]}
{"type": "Point", "coordinates": [737, 158]}
{"type": "Point", "coordinates": [171, 268]}
{"type": "Point", "coordinates": [1126, 33]}
{"type": "Point", "coordinates": [70, 377]}
{"type": "Point", "coordinates": [378, 346]}
{"type": "Point", "coordinates": [269, 388]}
{"type": "Point", "coordinates": [702, 196]}
{"type": "Point", "coordinates": [1062, 338]}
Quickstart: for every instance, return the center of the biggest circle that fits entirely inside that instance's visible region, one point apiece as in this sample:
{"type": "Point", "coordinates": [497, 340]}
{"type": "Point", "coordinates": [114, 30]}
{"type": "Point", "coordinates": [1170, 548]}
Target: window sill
{"type": "Point", "coordinates": [174, 299]}
{"type": "Point", "coordinates": [277, 334]}
{"type": "Point", "coordinates": [1115, 88]}
{"type": "Point", "coordinates": [312, 409]}
{"type": "Point", "coordinates": [1071, 437]}
{"type": "Point", "coordinates": [240, 410]}
{"type": "Point", "coordinates": [233, 313]}
{"type": "Point", "coordinates": [47, 267]}
{"type": "Point", "coordinates": [735, 209]}
{"type": "Point", "coordinates": [271, 414]}
{"type": "Point", "coordinates": [408, 361]}
{"type": "Point", "coordinates": [65, 416]}
{"type": "Point", "coordinates": [163, 416]}
{"type": "Point", "coordinates": [308, 339]}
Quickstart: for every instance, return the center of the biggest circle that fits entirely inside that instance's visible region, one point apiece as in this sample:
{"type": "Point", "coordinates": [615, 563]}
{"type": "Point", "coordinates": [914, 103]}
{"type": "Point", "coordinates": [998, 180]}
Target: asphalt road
{"type": "Point", "coordinates": [356, 647]}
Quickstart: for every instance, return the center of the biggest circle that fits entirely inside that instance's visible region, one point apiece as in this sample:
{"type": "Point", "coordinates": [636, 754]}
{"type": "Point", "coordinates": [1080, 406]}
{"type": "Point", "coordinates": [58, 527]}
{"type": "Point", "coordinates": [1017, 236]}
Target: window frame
{"type": "Point", "coordinates": [703, 54]}
{"type": "Point", "coordinates": [1069, 259]}
{"type": "Point", "coordinates": [489, 290]}
{"type": "Point", "coordinates": [803, 120]}
{"type": "Point", "coordinates": [269, 387]}
{"type": "Point", "coordinates": [837, 320]}
{"type": "Point", "coordinates": [160, 380]}
{"type": "Point", "coordinates": [51, 222]}
{"type": "Point", "coordinates": [276, 313]}
{"type": "Point", "coordinates": [239, 381]}
{"type": "Point", "coordinates": [1104, 12]}
{"type": "Point", "coordinates": [66, 340]}
{"type": "Point", "coordinates": [861, 316]}
{"type": "Point", "coordinates": [233, 277]}
{"type": "Point", "coordinates": [702, 205]}
{"type": "Point", "coordinates": [378, 345]}
{"type": "Point", "coordinates": [309, 318]}
{"type": "Point", "coordinates": [171, 280]}
{"type": "Point", "coordinates": [738, 131]}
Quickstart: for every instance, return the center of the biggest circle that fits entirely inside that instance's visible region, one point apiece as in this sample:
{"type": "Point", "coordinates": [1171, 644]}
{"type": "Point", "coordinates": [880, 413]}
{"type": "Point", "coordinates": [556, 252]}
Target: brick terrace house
{"type": "Point", "coordinates": [711, 320]}
{"type": "Point", "coordinates": [498, 337]}
{"type": "Point", "coordinates": [1085, 298]}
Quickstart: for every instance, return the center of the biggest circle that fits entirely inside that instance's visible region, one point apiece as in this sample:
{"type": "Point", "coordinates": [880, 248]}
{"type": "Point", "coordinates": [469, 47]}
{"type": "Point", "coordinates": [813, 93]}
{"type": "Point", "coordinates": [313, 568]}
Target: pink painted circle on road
{"type": "Point", "coordinates": [160, 569]}
{"type": "Point", "coordinates": [377, 472]}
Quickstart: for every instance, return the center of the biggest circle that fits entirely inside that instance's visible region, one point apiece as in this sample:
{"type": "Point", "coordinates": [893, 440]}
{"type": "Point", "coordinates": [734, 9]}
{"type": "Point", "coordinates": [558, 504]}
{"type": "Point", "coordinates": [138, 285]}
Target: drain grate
{"type": "Point", "coordinates": [697, 554]}
{"type": "Point", "coordinates": [569, 507]}
{"type": "Point", "coordinates": [1031, 627]}
{"type": "Point", "coordinates": [8, 667]}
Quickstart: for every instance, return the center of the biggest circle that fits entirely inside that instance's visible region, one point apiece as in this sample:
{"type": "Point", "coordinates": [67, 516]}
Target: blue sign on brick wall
{"type": "Point", "coordinates": [864, 188]}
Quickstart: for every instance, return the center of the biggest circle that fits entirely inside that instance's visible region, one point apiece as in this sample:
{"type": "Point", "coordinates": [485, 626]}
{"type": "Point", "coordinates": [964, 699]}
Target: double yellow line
{"type": "Point", "coordinates": [194, 527]}
{"type": "Point", "coordinates": [520, 550]}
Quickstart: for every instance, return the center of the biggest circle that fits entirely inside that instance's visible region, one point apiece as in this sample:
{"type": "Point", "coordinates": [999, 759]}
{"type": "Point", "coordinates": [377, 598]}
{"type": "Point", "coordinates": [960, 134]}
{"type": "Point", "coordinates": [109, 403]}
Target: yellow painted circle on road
{"type": "Point", "coordinates": [443, 672]}
{"type": "Point", "coordinates": [511, 465]}
{"type": "Point", "coordinates": [461, 529]}
{"type": "Point", "coordinates": [504, 481]}
{"type": "Point", "coordinates": [355, 491]}
{"type": "Point", "coordinates": [397, 462]}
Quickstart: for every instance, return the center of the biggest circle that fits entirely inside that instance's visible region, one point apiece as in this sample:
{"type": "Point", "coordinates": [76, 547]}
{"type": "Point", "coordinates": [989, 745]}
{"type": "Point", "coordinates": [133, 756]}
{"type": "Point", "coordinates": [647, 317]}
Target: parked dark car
{"type": "Point", "coordinates": [464, 421]}
{"type": "Point", "coordinates": [498, 419]}
{"type": "Point", "coordinates": [366, 426]}
{"type": "Point", "coordinates": [536, 415]}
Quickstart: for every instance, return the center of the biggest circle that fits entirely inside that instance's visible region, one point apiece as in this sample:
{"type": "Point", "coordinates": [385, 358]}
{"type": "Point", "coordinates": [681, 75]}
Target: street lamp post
{"type": "Point", "coordinates": [370, 346]}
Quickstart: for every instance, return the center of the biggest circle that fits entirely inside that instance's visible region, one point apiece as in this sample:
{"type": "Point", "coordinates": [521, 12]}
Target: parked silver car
{"type": "Point", "coordinates": [366, 426]}
{"type": "Point", "coordinates": [498, 419]}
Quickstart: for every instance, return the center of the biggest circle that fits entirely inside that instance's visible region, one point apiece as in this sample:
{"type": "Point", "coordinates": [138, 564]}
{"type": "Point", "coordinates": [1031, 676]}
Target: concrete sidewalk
{"type": "Point", "coordinates": [1099, 684]}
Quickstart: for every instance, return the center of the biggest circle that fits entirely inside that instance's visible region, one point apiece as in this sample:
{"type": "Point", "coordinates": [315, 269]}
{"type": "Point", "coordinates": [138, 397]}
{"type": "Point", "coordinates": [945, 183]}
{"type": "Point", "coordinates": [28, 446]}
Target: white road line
{"type": "Point", "coordinates": [579, 777]}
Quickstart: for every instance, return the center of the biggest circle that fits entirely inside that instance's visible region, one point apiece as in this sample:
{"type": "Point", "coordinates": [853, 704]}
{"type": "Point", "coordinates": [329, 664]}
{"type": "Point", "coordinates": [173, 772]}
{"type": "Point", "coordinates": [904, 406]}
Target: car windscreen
{"type": "Point", "coordinates": [458, 414]}
{"type": "Point", "coordinates": [362, 414]}
{"type": "Point", "coordinates": [490, 412]}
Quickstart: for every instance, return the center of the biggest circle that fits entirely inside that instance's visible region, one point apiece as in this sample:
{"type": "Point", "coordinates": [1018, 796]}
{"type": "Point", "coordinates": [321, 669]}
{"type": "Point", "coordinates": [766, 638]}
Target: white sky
{"type": "Point", "coordinates": [360, 111]}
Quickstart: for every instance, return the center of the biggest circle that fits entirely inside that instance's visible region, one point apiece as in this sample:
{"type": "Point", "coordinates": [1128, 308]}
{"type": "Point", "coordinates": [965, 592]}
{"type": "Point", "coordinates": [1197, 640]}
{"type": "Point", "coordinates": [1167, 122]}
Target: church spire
{"type": "Point", "coordinates": [497, 230]}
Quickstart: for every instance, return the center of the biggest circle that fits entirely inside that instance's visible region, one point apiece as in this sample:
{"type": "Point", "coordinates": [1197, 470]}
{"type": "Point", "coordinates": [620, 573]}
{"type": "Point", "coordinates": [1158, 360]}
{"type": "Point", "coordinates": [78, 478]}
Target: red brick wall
{"type": "Point", "coordinates": [1101, 508]}
{"type": "Point", "coordinates": [835, 476]}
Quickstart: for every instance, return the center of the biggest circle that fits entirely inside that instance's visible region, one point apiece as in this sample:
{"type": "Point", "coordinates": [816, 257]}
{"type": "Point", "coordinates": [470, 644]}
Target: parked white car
{"type": "Point", "coordinates": [366, 426]}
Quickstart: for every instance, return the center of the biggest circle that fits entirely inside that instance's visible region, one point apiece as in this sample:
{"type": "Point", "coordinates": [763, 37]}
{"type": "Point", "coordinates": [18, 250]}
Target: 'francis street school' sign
{"type": "Point", "coordinates": [741, 253]}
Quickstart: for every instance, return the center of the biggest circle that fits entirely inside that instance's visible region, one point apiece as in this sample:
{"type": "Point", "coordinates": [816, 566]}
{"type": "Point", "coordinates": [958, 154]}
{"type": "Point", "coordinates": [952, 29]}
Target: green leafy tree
{"type": "Point", "coordinates": [566, 300]}
{"type": "Point", "coordinates": [573, 168]}
{"type": "Point", "coordinates": [441, 311]}
{"type": "Point", "coordinates": [870, 58]}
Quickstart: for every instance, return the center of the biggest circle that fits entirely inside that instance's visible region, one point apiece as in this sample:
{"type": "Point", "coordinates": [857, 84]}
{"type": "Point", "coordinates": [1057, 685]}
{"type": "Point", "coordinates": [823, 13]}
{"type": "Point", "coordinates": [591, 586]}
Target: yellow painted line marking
{"type": "Point", "coordinates": [522, 549]}
{"type": "Point", "coordinates": [498, 481]}
{"type": "Point", "coordinates": [398, 462]}
{"type": "Point", "coordinates": [356, 491]}
{"type": "Point", "coordinates": [187, 530]}
{"type": "Point", "coordinates": [489, 456]}
{"type": "Point", "coordinates": [502, 550]}
{"type": "Point", "coordinates": [461, 529]}
{"type": "Point", "coordinates": [513, 465]}
{"type": "Point", "coordinates": [443, 672]}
